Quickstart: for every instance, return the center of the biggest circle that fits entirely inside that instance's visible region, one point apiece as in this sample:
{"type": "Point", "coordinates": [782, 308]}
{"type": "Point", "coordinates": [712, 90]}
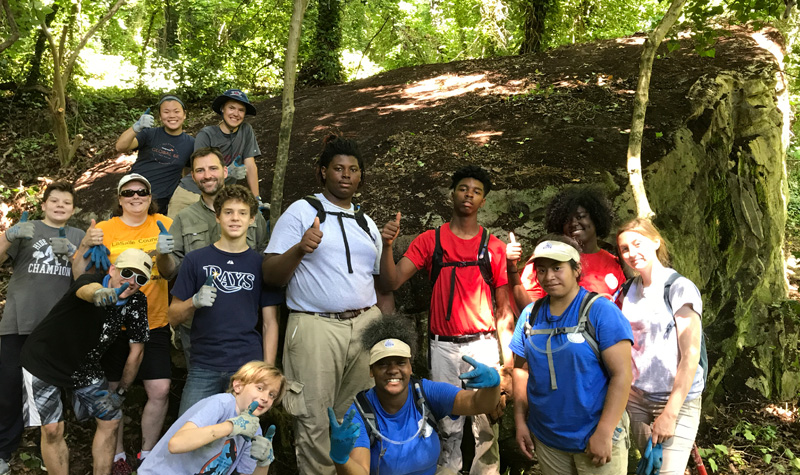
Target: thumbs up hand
{"type": "Point", "coordinates": [61, 245]}
{"type": "Point", "coordinates": [391, 230]}
{"type": "Point", "coordinates": [145, 121]}
{"type": "Point", "coordinates": [166, 243]}
{"type": "Point", "coordinates": [94, 236]}
{"type": "Point", "coordinates": [207, 294]}
{"type": "Point", "coordinates": [245, 424]}
{"type": "Point", "coordinates": [311, 238]}
{"type": "Point", "coordinates": [261, 448]}
{"type": "Point", "coordinates": [513, 249]}
{"type": "Point", "coordinates": [22, 230]}
{"type": "Point", "coordinates": [237, 169]}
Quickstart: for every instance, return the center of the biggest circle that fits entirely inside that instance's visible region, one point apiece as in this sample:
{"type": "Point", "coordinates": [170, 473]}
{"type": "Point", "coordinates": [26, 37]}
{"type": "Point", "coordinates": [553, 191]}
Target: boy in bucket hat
{"type": "Point", "coordinates": [236, 141]}
{"type": "Point", "coordinates": [64, 352]}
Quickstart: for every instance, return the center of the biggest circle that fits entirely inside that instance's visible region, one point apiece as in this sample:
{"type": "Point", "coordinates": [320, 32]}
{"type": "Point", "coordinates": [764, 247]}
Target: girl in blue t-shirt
{"type": "Point", "coordinates": [401, 438]}
{"type": "Point", "coordinates": [569, 404]}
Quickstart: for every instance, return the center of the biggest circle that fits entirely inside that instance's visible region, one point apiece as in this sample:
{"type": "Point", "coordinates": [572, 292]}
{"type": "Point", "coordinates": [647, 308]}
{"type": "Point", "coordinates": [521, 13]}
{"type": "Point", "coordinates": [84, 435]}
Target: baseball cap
{"type": "Point", "coordinates": [135, 259]}
{"type": "Point", "coordinates": [388, 347]}
{"type": "Point", "coordinates": [132, 177]}
{"type": "Point", "coordinates": [556, 250]}
{"type": "Point", "coordinates": [233, 95]}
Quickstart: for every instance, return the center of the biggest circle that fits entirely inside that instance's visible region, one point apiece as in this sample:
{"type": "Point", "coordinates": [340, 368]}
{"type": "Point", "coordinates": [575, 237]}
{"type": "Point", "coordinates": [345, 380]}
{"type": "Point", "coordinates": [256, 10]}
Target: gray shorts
{"type": "Point", "coordinates": [42, 401]}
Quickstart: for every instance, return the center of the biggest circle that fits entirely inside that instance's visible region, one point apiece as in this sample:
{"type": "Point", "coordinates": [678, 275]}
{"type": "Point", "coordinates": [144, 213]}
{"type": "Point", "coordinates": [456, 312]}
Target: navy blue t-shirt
{"type": "Point", "coordinates": [162, 158]}
{"type": "Point", "coordinates": [224, 336]}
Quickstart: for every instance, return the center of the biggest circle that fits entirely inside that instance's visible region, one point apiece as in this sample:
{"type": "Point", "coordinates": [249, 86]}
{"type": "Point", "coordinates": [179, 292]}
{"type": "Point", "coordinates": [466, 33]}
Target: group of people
{"type": "Point", "coordinates": [586, 354]}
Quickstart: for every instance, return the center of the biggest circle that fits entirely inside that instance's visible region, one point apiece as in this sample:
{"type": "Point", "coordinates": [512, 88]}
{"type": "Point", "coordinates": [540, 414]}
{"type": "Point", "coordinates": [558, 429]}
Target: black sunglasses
{"type": "Point", "coordinates": [130, 193]}
{"type": "Point", "coordinates": [128, 273]}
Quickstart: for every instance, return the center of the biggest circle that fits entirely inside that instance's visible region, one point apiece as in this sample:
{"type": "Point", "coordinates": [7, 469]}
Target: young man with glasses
{"type": "Point", "coordinates": [40, 252]}
{"type": "Point", "coordinates": [64, 352]}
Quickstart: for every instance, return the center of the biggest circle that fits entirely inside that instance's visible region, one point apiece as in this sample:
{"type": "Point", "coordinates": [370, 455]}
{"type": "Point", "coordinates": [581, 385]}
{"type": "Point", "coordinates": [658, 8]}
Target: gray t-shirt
{"type": "Point", "coordinates": [219, 457]}
{"type": "Point", "coordinates": [241, 143]}
{"type": "Point", "coordinates": [655, 339]}
{"type": "Point", "coordinates": [322, 283]}
{"type": "Point", "coordinates": [40, 279]}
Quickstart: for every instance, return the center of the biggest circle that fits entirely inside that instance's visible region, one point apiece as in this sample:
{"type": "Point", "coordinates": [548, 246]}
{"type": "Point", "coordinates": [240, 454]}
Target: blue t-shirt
{"type": "Point", "coordinates": [419, 456]}
{"type": "Point", "coordinates": [162, 158]}
{"type": "Point", "coordinates": [565, 418]}
{"type": "Point", "coordinates": [224, 335]}
{"type": "Point", "coordinates": [219, 457]}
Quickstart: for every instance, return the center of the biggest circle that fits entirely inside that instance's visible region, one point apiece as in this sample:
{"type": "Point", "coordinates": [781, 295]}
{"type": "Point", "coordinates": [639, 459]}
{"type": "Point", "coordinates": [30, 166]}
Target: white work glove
{"type": "Point", "coordinates": [145, 121]}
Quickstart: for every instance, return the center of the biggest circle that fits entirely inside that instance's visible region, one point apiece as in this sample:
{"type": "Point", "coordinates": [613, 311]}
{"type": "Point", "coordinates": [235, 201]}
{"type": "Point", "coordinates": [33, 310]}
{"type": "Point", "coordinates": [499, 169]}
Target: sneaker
{"type": "Point", "coordinates": [4, 468]}
{"type": "Point", "coordinates": [121, 467]}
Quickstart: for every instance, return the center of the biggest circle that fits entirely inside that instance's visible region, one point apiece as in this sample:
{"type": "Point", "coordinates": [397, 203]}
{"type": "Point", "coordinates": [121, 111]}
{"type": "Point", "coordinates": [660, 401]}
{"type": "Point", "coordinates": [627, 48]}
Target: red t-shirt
{"type": "Point", "coordinates": [600, 272]}
{"type": "Point", "coordinates": [472, 302]}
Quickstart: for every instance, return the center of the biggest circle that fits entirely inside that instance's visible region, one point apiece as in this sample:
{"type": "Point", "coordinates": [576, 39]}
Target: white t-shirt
{"type": "Point", "coordinates": [322, 283]}
{"type": "Point", "coordinates": [655, 339]}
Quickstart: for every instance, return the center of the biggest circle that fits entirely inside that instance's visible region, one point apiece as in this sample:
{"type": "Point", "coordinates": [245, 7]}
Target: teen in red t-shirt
{"type": "Point", "coordinates": [473, 328]}
{"type": "Point", "coordinates": [583, 214]}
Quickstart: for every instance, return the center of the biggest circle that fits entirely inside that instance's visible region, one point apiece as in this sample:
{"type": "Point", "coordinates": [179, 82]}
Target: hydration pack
{"type": "Point", "coordinates": [322, 213]}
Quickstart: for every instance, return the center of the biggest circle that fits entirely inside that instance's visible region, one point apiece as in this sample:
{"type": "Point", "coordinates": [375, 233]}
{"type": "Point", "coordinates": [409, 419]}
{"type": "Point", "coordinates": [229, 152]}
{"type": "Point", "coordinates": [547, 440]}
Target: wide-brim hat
{"type": "Point", "coordinates": [233, 95]}
{"type": "Point", "coordinates": [137, 259]}
{"type": "Point", "coordinates": [133, 177]}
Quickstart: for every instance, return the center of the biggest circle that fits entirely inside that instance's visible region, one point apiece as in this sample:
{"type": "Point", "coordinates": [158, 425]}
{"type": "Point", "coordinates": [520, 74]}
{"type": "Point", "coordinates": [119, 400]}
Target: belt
{"type": "Point", "coordinates": [463, 338]}
{"type": "Point", "coordinates": [346, 315]}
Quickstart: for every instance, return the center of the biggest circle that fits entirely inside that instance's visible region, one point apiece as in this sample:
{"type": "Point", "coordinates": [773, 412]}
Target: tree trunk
{"type": "Point", "coordinates": [63, 64]}
{"type": "Point", "coordinates": [651, 44]}
{"type": "Point", "coordinates": [535, 14]}
{"type": "Point", "coordinates": [324, 67]}
{"type": "Point", "coordinates": [170, 27]}
{"type": "Point", "coordinates": [143, 57]}
{"type": "Point", "coordinates": [287, 115]}
{"type": "Point", "coordinates": [12, 25]}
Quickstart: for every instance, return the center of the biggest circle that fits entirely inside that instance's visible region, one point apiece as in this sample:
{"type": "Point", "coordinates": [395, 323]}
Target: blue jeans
{"type": "Point", "coordinates": [202, 383]}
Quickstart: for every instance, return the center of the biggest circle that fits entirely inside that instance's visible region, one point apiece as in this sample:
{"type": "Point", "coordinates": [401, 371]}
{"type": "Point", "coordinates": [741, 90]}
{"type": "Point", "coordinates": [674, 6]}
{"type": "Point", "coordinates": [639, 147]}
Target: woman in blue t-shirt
{"type": "Point", "coordinates": [664, 403]}
{"type": "Point", "coordinates": [569, 405]}
{"type": "Point", "coordinates": [391, 428]}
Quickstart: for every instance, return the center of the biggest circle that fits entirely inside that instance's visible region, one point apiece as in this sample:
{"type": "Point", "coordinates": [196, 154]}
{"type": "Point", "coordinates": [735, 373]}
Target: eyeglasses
{"type": "Point", "coordinates": [128, 273]}
{"type": "Point", "coordinates": [130, 193]}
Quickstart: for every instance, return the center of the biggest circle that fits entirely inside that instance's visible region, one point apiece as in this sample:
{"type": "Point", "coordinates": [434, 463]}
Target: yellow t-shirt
{"type": "Point", "coordinates": [118, 236]}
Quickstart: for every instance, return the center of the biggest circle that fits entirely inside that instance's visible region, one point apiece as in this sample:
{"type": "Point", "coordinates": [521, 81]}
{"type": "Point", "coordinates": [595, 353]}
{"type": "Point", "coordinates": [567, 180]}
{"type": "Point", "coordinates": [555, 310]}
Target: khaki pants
{"type": "Point", "coordinates": [676, 449]}
{"type": "Point", "coordinates": [325, 366]}
{"type": "Point", "coordinates": [181, 198]}
{"type": "Point", "coordinates": [446, 365]}
{"type": "Point", "coordinates": [556, 462]}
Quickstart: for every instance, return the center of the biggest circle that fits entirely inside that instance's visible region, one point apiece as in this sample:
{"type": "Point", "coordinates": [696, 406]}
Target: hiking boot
{"type": "Point", "coordinates": [4, 468]}
{"type": "Point", "coordinates": [121, 467]}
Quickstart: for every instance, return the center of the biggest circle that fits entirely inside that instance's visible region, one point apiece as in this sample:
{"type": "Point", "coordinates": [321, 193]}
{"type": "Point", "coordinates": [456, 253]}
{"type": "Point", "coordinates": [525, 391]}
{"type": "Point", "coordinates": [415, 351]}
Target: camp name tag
{"type": "Point", "coordinates": [575, 338]}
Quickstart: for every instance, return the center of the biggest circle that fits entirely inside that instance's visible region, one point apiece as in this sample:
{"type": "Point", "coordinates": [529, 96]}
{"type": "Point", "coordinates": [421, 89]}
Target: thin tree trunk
{"type": "Point", "coordinates": [35, 73]}
{"type": "Point", "coordinates": [535, 14]}
{"type": "Point", "coordinates": [12, 25]}
{"type": "Point", "coordinates": [287, 115]}
{"type": "Point", "coordinates": [642, 97]}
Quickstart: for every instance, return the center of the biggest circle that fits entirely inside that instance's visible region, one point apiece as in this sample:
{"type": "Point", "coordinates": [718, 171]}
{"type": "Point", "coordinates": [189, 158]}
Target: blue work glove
{"type": "Point", "coordinates": [343, 436]}
{"type": "Point", "coordinates": [145, 121]}
{"type": "Point", "coordinates": [98, 257]}
{"type": "Point", "coordinates": [61, 245]}
{"type": "Point", "coordinates": [166, 243]}
{"type": "Point", "coordinates": [480, 377]}
{"type": "Point", "coordinates": [106, 402]}
{"type": "Point", "coordinates": [246, 424]}
{"type": "Point", "coordinates": [261, 448]}
{"type": "Point", "coordinates": [650, 463]}
{"type": "Point", "coordinates": [261, 205]}
{"type": "Point", "coordinates": [106, 296]}
{"type": "Point", "coordinates": [237, 170]}
{"type": "Point", "coordinates": [22, 230]}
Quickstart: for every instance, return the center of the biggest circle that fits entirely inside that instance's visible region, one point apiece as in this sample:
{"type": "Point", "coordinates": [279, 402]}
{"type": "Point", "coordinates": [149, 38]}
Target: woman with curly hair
{"type": "Point", "coordinates": [389, 429]}
{"type": "Point", "coordinates": [584, 214]}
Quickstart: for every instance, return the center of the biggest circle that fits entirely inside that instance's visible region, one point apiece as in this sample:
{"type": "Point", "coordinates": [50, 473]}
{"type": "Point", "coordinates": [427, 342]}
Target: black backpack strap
{"type": "Point", "coordinates": [358, 216]}
{"type": "Point", "coordinates": [317, 205]}
{"type": "Point", "coordinates": [437, 258]}
{"type": "Point", "coordinates": [422, 403]}
{"type": "Point", "coordinates": [485, 265]}
{"type": "Point", "coordinates": [703, 363]}
{"type": "Point", "coordinates": [361, 220]}
{"type": "Point", "coordinates": [622, 291]}
{"type": "Point", "coordinates": [367, 413]}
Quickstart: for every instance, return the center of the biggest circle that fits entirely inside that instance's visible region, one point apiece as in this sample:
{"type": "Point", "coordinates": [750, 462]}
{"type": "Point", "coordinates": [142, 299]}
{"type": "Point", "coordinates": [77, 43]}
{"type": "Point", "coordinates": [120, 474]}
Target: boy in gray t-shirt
{"type": "Point", "coordinates": [41, 254]}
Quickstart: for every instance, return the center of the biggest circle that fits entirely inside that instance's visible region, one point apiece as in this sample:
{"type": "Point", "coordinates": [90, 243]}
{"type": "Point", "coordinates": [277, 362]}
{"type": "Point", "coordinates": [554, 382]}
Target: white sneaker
{"type": "Point", "coordinates": [4, 468]}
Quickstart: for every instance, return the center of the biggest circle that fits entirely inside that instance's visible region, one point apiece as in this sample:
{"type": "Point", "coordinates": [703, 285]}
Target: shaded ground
{"type": "Point", "coordinates": [533, 120]}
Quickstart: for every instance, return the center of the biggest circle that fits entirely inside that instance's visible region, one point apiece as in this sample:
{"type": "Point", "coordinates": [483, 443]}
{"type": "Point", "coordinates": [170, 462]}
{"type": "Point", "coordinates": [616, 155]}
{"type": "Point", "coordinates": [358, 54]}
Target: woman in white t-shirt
{"type": "Point", "coordinates": [664, 403]}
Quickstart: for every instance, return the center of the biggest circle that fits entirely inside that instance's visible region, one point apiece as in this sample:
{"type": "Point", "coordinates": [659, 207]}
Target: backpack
{"type": "Point", "coordinates": [359, 216]}
{"type": "Point", "coordinates": [483, 261]}
{"type": "Point", "coordinates": [584, 327]}
{"type": "Point", "coordinates": [367, 412]}
{"type": "Point", "coordinates": [703, 363]}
